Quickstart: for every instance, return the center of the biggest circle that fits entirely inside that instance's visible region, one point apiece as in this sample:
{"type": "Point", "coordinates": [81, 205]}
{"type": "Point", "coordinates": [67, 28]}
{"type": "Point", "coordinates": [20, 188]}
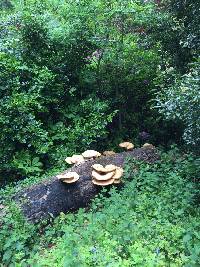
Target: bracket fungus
{"type": "Point", "coordinates": [147, 145]}
{"type": "Point", "coordinates": [98, 168]}
{"type": "Point", "coordinates": [69, 178]}
{"type": "Point", "coordinates": [103, 182]}
{"type": "Point", "coordinates": [75, 159]}
{"type": "Point", "coordinates": [126, 145]}
{"type": "Point", "coordinates": [89, 154]}
{"type": "Point", "coordinates": [69, 160]}
{"type": "Point", "coordinates": [102, 177]}
{"type": "Point", "coordinates": [109, 153]}
{"type": "Point", "coordinates": [110, 174]}
{"type": "Point", "coordinates": [118, 174]}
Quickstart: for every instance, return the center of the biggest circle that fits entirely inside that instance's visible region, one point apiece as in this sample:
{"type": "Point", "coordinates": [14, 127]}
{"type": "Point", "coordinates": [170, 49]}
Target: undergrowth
{"type": "Point", "coordinates": [152, 221]}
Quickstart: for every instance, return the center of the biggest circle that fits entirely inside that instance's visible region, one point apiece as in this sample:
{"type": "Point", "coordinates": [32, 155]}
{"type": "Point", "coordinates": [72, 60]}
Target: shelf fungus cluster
{"type": "Point", "coordinates": [110, 174]}
{"type": "Point", "coordinates": [126, 145]}
{"type": "Point", "coordinates": [69, 177]}
{"type": "Point", "coordinates": [77, 159]}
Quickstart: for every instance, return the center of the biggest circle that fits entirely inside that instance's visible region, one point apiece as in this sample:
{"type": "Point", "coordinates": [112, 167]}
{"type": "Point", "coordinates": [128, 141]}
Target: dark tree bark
{"type": "Point", "coordinates": [51, 197]}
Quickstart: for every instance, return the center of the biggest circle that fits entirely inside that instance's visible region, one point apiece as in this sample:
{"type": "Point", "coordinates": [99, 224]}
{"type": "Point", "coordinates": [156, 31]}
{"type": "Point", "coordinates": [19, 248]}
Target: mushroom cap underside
{"type": "Point", "coordinates": [102, 177]}
{"type": "Point", "coordinates": [69, 177]}
{"type": "Point", "coordinates": [103, 183]}
{"type": "Point", "coordinates": [118, 173]}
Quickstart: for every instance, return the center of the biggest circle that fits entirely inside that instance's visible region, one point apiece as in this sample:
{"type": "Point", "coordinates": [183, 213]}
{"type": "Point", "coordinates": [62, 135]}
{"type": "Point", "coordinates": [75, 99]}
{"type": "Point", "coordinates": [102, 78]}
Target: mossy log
{"type": "Point", "coordinates": [52, 196]}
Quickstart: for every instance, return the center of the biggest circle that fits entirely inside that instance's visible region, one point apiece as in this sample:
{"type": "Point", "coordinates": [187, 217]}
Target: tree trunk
{"type": "Point", "coordinates": [51, 197]}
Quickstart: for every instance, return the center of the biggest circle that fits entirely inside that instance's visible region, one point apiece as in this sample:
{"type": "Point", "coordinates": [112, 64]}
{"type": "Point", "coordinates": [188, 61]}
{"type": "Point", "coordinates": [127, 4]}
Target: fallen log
{"type": "Point", "coordinates": [51, 197]}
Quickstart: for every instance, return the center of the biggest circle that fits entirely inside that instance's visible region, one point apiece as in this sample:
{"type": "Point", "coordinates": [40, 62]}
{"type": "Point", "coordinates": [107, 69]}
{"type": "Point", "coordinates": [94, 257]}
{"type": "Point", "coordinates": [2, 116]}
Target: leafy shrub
{"type": "Point", "coordinates": [123, 66]}
{"type": "Point", "coordinates": [87, 124]}
{"type": "Point", "coordinates": [40, 97]}
{"type": "Point", "coordinates": [176, 28]}
{"type": "Point", "coordinates": [181, 101]}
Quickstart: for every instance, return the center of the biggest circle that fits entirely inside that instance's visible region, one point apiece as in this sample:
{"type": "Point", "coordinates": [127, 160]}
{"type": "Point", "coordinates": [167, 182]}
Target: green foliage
{"type": "Point", "coordinates": [14, 247]}
{"type": "Point", "coordinates": [181, 101]}
{"type": "Point", "coordinates": [6, 4]}
{"type": "Point", "coordinates": [57, 55]}
{"type": "Point", "coordinates": [44, 115]}
{"type": "Point", "coordinates": [122, 68]}
{"type": "Point", "coordinates": [152, 221]}
{"type": "Point", "coordinates": [187, 12]}
{"type": "Point", "coordinates": [87, 123]}
{"type": "Point", "coordinates": [176, 28]}
{"type": "Point", "coordinates": [26, 164]}
{"type": "Point", "coordinates": [82, 74]}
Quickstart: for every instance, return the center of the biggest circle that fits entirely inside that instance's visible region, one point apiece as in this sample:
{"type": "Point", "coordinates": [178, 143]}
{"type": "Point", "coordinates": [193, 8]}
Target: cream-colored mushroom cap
{"type": "Point", "coordinates": [98, 168]}
{"type": "Point", "coordinates": [69, 160]}
{"type": "Point", "coordinates": [77, 159]}
{"type": "Point", "coordinates": [117, 181]}
{"type": "Point", "coordinates": [102, 177]}
{"type": "Point", "coordinates": [70, 181]}
{"type": "Point", "coordinates": [118, 173]}
{"type": "Point", "coordinates": [146, 145]}
{"type": "Point", "coordinates": [61, 176]}
{"type": "Point", "coordinates": [69, 177]}
{"type": "Point", "coordinates": [110, 168]}
{"type": "Point", "coordinates": [103, 183]}
{"type": "Point", "coordinates": [91, 154]}
{"type": "Point", "coordinates": [126, 145]}
{"type": "Point", "coordinates": [109, 153]}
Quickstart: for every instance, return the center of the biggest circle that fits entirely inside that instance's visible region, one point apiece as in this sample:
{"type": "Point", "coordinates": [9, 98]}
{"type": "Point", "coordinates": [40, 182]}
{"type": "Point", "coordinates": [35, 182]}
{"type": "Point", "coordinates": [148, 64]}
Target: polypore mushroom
{"type": "Point", "coordinates": [127, 145]}
{"type": "Point", "coordinates": [110, 168]}
{"type": "Point", "coordinates": [100, 169]}
{"type": "Point", "coordinates": [106, 175]}
{"type": "Point", "coordinates": [77, 159]}
{"type": "Point", "coordinates": [102, 177]}
{"type": "Point", "coordinates": [150, 146]}
{"type": "Point", "coordinates": [103, 182]}
{"type": "Point", "coordinates": [70, 177]}
{"type": "Point", "coordinates": [69, 160]}
{"type": "Point", "coordinates": [118, 174]}
{"type": "Point", "coordinates": [109, 153]}
{"type": "Point", "coordinates": [88, 154]}
{"type": "Point", "coordinates": [74, 159]}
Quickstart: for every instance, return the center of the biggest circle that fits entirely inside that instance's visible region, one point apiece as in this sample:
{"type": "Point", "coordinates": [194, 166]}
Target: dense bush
{"type": "Point", "coordinates": [177, 31]}
{"type": "Point", "coordinates": [152, 221]}
{"type": "Point", "coordinates": [84, 74]}
{"type": "Point", "coordinates": [181, 101]}
{"type": "Point", "coordinates": [177, 77]}
{"type": "Point", "coordinates": [57, 56]}
{"type": "Point", "coordinates": [44, 115]}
